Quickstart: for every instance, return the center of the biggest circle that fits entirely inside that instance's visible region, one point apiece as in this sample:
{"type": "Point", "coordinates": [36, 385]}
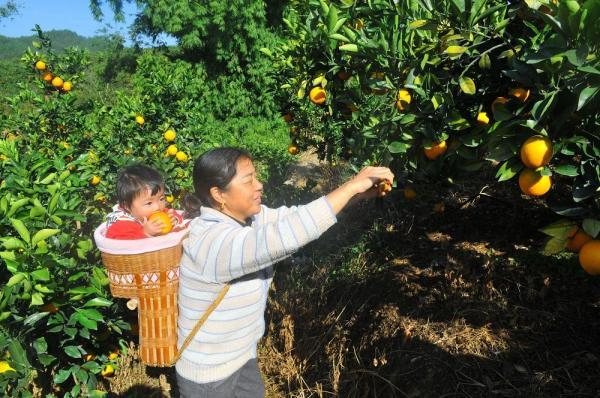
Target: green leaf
{"type": "Point", "coordinates": [61, 376]}
{"type": "Point", "coordinates": [352, 48]}
{"type": "Point", "coordinates": [86, 322]}
{"type": "Point", "coordinates": [485, 62]}
{"type": "Point", "coordinates": [467, 85]}
{"type": "Point", "coordinates": [568, 170]}
{"type": "Point", "coordinates": [20, 227]}
{"type": "Point", "coordinates": [559, 229]}
{"type": "Point", "coordinates": [33, 319]}
{"type": "Point", "coordinates": [42, 274]}
{"type": "Point", "coordinates": [591, 227]}
{"type": "Point", "coordinates": [73, 351]}
{"type": "Point", "coordinates": [554, 245]}
{"type": "Point", "coordinates": [12, 243]}
{"type": "Point", "coordinates": [586, 95]}
{"type": "Point", "coordinates": [43, 234]}
{"type": "Point", "coordinates": [417, 24]}
{"type": "Point", "coordinates": [91, 314]}
{"type": "Point", "coordinates": [509, 169]}
{"type": "Point", "coordinates": [98, 302]}
{"type": "Point", "coordinates": [40, 345]}
{"type": "Point", "coordinates": [37, 299]}
{"type": "Point", "coordinates": [16, 206]}
{"type": "Point", "coordinates": [455, 51]}
{"type": "Point", "coordinates": [16, 279]}
{"type": "Point", "coordinates": [337, 36]}
{"type": "Point", "coordinates": [332, 18]}
{"type": "Point", "coordinates": [397, 147]}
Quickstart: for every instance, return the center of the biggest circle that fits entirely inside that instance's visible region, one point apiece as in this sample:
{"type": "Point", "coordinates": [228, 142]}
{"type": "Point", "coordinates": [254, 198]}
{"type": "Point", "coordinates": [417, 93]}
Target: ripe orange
{"type": "Point", "coordinates": [533, 183]}
{"type": "Point", "coordinates": [169, 135]}
{"type": "Point", "coordinates": [318, 95]}
{"type": "Point", "coordinates": [47, 76]}
{"type": "Point", "coordinates": [436, 150]}
{"type": "Point", "coordinates": [384, 187]}
{"type": "Point", "coordinates": [589, 257]}
{"type": "Point", "coordinates": [404, 99]}
{"type": "Point", "coordinates": [181, 156]}
{"type": "Point", "coordinates": [172, 150]}
{"type": "Point", "coordinates": [166, 220]}
{"type": "Point", "coordinates": [519, 93]}
{"type": "Point", "coordinates": [410, 193]}
{"type": "Point", "coordinates": [170, 198]}
{"type": "Point", "coordinates": [108, 371]}
{"type": "Point", "coordinates": [536, 151]}
{"type": "Point", "coordinates": [67, 86]}
{"type": "Point", "coordinates": [293, 149]}
{"type": "Point", "coordinates": [139, 119]}
{"type": "Point", "coordinates": [497, 101]}
{"type": "Point", "coordinates": [57, 82]}
{"type": "Point", "coordinates": [578, 240]}
{"type": "Point", "coordinates": [113, 355]}
{"type": "Point", "coordinates": [40, 65]}
{"type": "Point", "coordinates": [95, 180]}
{"type": "Point", "coordinates": [89, 357]}
{"type": "Point", "coordinates": [483, 119]}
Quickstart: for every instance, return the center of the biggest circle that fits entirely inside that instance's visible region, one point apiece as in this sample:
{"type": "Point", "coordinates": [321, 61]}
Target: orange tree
{"type": "Point", "coordinates": [60, 150]}
{"type": "Point", "coordinates": [438, 88]}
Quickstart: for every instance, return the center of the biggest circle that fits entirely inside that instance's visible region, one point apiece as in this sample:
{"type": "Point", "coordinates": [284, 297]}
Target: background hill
{"type": "Point", "coordinates": [13, 47]}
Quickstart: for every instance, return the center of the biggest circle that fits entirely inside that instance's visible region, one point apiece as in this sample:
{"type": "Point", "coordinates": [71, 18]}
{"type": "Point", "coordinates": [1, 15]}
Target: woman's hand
{"type": "Point", "coordinates": [360, 187]}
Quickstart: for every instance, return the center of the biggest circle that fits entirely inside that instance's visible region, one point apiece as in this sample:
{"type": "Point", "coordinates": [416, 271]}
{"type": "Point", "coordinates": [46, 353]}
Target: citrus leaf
{"type": "Point", "coordinates": [352, 48]}
{"type": "Point", "coordinates": [586, 95]}
{"type": "Point", "coordinates": [20, 227]}
{"type": "Point", "coordinates": [417, 24]}
{"type": "Point", "coordinates": [568, 170]}
{"type": "Point", "coordinates": [467, 85]}
{"type": "Point", "coordinates": [559, 229]}
{"type": "Point", "coordinates": [43, 234]}
{"type": "Point", "coordinates": [455, 51]}
{"type": "Point", "coordinates": [554, 245]}
{"type": "Point", "coordinates": [591, 227]}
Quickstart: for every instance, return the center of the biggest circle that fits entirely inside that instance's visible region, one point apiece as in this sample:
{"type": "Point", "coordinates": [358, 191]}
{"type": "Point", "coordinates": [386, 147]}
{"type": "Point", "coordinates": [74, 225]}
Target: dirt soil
{"type": "Point", "coordinates": [398, 300]}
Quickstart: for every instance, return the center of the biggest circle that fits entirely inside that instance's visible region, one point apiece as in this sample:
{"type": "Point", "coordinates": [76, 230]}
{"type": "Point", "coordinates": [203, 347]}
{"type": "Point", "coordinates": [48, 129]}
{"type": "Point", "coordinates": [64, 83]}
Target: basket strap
{"type": "Point", "coordinates": [201, 321]}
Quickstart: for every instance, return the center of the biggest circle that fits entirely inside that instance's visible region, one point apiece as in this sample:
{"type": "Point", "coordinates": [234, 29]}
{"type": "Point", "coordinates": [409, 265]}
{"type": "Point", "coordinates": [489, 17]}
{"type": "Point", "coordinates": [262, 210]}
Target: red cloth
{"type": "Point", "coordinates": [122, 225]}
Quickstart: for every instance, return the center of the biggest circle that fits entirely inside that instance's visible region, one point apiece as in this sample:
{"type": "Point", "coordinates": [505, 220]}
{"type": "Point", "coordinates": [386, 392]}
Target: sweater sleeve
{"type": "Point", "coordinates": [125, 229]}
{"type": "Point", "coordinates": [225, 251]}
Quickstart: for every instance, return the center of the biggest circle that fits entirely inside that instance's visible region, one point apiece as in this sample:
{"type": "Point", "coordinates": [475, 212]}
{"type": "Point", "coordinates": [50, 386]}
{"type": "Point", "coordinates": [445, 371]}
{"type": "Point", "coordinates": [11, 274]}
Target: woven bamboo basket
{"type": "Point", "coordinates": [153, 278]}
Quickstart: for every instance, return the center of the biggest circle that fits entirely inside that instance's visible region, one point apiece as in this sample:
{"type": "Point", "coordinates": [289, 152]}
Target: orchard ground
{"type": "Point", "coordinates": [444, 295]}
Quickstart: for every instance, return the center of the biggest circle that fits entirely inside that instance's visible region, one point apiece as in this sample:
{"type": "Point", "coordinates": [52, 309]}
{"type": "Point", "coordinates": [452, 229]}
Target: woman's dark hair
{"type": "Point", "coordinates": [134, 179]}
{"type": "Point", "coordinates": [215, 168]}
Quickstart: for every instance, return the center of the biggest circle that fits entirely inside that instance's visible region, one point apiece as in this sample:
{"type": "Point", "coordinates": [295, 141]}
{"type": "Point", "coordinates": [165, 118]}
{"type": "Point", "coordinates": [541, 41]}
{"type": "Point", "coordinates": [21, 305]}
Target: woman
{"type": "Point", "coordinates": [235, 240]}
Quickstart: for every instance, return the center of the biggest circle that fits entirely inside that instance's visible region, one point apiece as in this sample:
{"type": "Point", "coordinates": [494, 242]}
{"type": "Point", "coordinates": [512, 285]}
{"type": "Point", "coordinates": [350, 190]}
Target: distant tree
{"type": "Point", "coordinates": [8, 9]}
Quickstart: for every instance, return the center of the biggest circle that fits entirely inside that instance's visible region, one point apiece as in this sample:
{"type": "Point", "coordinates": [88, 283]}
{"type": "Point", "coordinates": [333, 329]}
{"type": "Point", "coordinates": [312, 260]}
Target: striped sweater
{"type": "Point", "coordinates": [218, 251]}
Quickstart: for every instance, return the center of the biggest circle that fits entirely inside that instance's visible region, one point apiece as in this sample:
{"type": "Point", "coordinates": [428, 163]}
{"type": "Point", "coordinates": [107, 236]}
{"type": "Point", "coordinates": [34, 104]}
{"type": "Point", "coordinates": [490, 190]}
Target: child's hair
{"type": "Point", "coordinates": [134, 179]}
{"type": "Point", "coordinates": [215, 168]}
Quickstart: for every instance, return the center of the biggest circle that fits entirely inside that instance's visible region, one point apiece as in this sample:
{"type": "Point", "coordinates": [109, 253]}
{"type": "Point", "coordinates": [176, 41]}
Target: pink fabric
{"type": "Point", "coordinates": [137, 246]}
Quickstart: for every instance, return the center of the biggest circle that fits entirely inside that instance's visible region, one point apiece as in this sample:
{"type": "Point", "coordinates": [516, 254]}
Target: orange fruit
{"type": "Point", "coordinates": [344, 75]}
{"type": "Point", "coordinates": [318, 95]}
{"type": "Point", "coordinates": [436, 150]}
{"type": "Point", "coordinates": [95, 180]}
{"type": "Point", "coordinates": [410, 193]}
{"type": "Point", "coordinates": [40, 65]}
{"type": "Point", "coordinates": [170, 198]}
{"type": "Point", "coordinates": [47, 76]}
{"type": "Point", "coordinates": [589, 257]}
{"type": "Point", "coordinates": [384, 187]}
{"type": "Point", "coordinates": [181, 156]}
{"type": "Point", "coordinates": [578, 240]}
{"type": "Point", "coordinates": [166, 220]}
{"type": "Point", "coordinates": [533, 183]}
{"type": "Point", "coordinates": [172, 150]}
{"type": "Point", "coordinates": [404, 99]}
{"type": "Point", "coordinates": [483, 119]}
{"type": "Point", "coordinates": [113, 355]}
{"type": "Point", "coordinates": [67, 86]}
{"type": "Point", "coordinates": [536, 151]}
{"type": "Point", "coordinates": [108, 371]}
{"type": "Point", "coordinates": [499, 100]}
{"type": "Point", "coordinates": [57, 82]}
{"type": "Point", "coordinates": [89, 357]}
{"type": "Point", "coordinates": [169, 135]}
{"type": "Point", "coordinates": [519, 93]}
{"type": "Point", "coordinates": [293, 149]}
{"type": "Point", "coordinates": [139, 119]}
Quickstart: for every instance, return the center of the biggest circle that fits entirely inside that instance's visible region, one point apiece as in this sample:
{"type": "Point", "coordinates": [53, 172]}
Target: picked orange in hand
{"type": "Point", "coordinates": [165, 219]}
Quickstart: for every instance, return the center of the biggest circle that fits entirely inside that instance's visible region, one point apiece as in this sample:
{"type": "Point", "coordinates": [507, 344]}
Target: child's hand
{"type": "Point", "coordinates": [154, 227]}
{"type": "Point", "coordinates": [174, 219]}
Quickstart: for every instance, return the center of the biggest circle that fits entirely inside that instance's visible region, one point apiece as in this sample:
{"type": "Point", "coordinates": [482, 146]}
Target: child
{"type": "Point", "coordinates": [140, 193]}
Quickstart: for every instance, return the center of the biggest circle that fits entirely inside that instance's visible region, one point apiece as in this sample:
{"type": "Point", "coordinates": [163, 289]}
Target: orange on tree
{"type": "Point", "coordinates": [409, 193]}
{"type": "Point", "coordinates": [5, 367]}
{"type": "Point", "coordinates": [533, 183]}
{"type": "Point", "coordinates": [483, 119]}
{"type": "Point", "coordinates": [172, 150]}
{"type": "Point", "coordinates": [536, 151]}
{"type": "Point", "coordinates": [576, 242]}
{"type": "Point", "coordinates": [67, 86]}
{"type": "Point", "coordinates": [139, 119]}
{"type": "Point", "coordinates": [164, 218]}
{"type": "Point", "coordinates": [522, 94]}
{"type": "Point", "coordinates": [40, 65]}
{"type": "Point", "coordinates": [498, 101]}
{"type": "Point", "coordinates": [169, 135]}
{"type": "Point", "coordinates": [589, 257]}
{"type": "Point", "coordinates": [317, 95]}
{"type": "Point", "coordinates": [113, 355]}
{"type": "Point", "coordinates": [108, 371]}
{"type": "Point", "coordinates": [293, 149]}
{"type": "Point", "coordinates": [170, 198]}
{"type": "Point", "coordinates": [384, 187]}
{"type": "Point", "coordinates": [181, 156]}
{"type": "Point", "coordinates": [404, 99]}
{"type": "Point", "coordinates": [57, 82]}
{"type": "Point", "coordinates": [89, 357]}
{"type": "Point", "coordinates": [47, 76]}
{"type": "Point", "coordinates": [95, 180]}
{"type": "Point", "coordinates": [436, 150]}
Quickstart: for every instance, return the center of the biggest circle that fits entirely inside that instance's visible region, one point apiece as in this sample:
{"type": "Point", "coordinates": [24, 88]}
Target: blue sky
{"type": "Point", "coordinates": [73, 15]}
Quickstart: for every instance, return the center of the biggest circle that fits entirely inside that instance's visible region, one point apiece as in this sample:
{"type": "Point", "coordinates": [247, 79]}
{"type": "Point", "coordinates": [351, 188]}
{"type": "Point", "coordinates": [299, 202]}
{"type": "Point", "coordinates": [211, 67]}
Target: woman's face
{"type": "Point", "coordinates": [242, 197]}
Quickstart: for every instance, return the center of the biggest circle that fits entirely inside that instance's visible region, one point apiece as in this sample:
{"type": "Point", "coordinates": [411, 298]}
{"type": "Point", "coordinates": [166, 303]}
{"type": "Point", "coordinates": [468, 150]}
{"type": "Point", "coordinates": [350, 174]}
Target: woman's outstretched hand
{"type": "Point", "coordinates": [360, 186]}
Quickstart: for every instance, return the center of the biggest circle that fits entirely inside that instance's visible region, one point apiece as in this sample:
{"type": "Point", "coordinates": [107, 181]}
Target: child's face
{"type": "Point", "coordinates": [145, 204]}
